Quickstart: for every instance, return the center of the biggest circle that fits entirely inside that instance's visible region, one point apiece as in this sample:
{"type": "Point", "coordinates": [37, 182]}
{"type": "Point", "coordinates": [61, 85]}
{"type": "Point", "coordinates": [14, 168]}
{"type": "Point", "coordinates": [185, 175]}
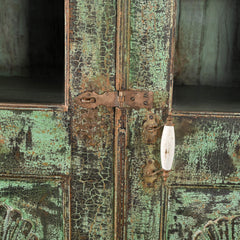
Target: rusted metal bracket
{"type": "Point", "coordinates": [121, 99]}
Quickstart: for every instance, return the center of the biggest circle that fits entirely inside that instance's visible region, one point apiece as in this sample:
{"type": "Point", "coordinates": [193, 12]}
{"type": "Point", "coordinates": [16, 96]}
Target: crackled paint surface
{"type": "Point", "coordinates": [150, 48]}
{"type": "Point", "coordinates": [190, 209]}
{"type": "Point", "coordinates": [92, 66]}
{"type": "Point", "coordinates": [207, 150]}
{"type": "Point", "coordinates": [80, 143]}
{"type": "Point", "coordinates": [38, 201]}
{"type": "Point", "coordinates": [34, 142]}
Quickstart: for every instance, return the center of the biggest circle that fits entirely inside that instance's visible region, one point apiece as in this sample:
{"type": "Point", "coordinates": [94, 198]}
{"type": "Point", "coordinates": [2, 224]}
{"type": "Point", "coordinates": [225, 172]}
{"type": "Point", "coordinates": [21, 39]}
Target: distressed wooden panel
{"type": "Point", "coordinates": [34, 142]}
{"type": "Point", "coordinates": [41, 202]}
{"type": "Point", "coordinates": [150, 66]}
{"type": "Point", "coordinates": [207, 150]}
{"type": "Point", "coordinates": [209, 213]}
{"type": "Point", "coordinates": [143, 200]}
{"type": "Point", "coordinates": [92, 68]}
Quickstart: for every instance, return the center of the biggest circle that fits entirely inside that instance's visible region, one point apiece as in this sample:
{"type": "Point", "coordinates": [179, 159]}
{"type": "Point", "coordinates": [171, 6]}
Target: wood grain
{"type": "Point", "coordinates": [207, 43]}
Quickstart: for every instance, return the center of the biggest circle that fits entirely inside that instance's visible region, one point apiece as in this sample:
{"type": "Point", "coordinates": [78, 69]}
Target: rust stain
{"type": "Point", "coordinates": [152, 129]}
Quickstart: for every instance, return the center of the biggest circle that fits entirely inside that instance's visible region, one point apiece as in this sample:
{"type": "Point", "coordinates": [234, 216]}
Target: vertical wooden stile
{"type": "Point", "coordinates": [121, 165]}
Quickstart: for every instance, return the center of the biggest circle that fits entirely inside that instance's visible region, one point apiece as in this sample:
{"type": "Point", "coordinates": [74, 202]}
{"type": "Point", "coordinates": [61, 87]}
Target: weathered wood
{"type": "Point", "coordinates": [207, 150]}
{"type": "Point", "coordinates": [150, 65]}
{"type": "Point", "coordinates": [34, 143]}
{"type": "Point", "coordinates": [92, 68]}
{"type": "Point", "coordinates": [212, 211]}
{"type": "Point", "coordinates": [38, 202]}
{"type": "Point", "coordinates": [204, 184]}
{"type": "Point", "coordinates": [80, 143]}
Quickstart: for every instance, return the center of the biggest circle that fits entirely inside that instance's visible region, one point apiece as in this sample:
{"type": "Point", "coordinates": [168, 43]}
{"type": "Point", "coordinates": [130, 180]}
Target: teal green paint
{"type": "Point", "coordinates": [206, 150]}
{"type": "Point", "coordinates": [150, 44]}
{"type": "Point", "coordinates": [39, 201]}
{"type": "Point", "coordinates": [144, 205]}
{"type": "Point", "coordinates": [92, 68]}
{"type": "Point", "coordinates": [150, 67]}
{"type": "Point", "coordinates": [41, 140]}
{"type": "Point", "coordinates": [190, 209]}
{"type": "Point", "coordinates": [94, 37]}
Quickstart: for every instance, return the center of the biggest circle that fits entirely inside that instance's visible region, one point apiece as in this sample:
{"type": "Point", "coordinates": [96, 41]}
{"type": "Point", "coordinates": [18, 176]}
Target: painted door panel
{"type": "Point", "coordinates": [34, 207]}
{"type": "Point", "coordinates": [34, 142]}
{"type": "Point", "coordinates": [150, 67]}
{"type": "Point", "coordinates": [197, 212]}
{"type": "Point", "coordinates": [207, 145]}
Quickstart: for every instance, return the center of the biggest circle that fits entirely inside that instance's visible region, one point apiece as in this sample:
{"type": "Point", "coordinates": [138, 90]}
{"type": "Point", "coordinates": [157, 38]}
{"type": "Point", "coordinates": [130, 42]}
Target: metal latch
{"type": "Point", "coordinates": [121, 99]}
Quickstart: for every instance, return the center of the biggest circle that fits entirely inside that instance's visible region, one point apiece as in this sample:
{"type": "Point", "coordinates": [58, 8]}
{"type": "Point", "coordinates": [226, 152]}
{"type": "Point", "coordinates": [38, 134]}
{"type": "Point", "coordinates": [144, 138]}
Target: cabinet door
{"type": "Point", "coordinates": [174, 45]}
{"type": "Point", "coordinates": [51, 52]}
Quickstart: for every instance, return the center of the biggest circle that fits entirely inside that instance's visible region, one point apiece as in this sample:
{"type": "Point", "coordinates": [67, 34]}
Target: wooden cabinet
{"type": "Point", "coordinates": [74, 172]}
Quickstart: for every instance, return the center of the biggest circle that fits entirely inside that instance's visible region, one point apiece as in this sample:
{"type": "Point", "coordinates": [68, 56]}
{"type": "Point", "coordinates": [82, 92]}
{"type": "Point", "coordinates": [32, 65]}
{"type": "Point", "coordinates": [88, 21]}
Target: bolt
{"type": "Point", "coordinates": [145, 103]}
{"type": "Point", "coordinates": [132, 98]}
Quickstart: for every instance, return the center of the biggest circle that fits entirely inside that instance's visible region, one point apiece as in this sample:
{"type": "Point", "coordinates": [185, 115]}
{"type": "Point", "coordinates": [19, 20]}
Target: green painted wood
{"type": "Point", "coordinates": [79, 143]}
{"type": "Point", "coordinates": [92, 64]}
{"type": "Point", "coordinates": [39, 202]}
{"type": "Point", "coordinates": [150, 48]}
{"type": "Point", "coordinates": [34, 143]}
{"type": "Point", "coordinates": [208, 212]}
{"type": "Point", "coordinates": [204, 184]}
{"type": "Point", "coordinates": [207, 150]}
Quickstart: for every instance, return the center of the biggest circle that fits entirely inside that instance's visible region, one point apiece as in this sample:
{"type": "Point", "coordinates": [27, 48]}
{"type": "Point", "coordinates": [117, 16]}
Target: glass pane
{"type": "Point", "coordinates": [32, 51]}
{"type": "Point", "coordinates": [207, 56]}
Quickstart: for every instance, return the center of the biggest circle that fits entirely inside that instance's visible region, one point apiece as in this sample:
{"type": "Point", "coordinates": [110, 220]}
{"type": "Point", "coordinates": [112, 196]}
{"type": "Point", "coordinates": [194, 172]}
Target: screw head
{"type": "Point", "coordinates": [132, 98]}
{"type": "Point", "coordinates": [145, 103]}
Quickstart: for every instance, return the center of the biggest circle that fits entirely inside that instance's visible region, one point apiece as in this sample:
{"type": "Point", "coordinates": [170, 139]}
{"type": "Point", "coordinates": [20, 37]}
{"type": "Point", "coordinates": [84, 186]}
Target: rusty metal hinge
{"type": "Point", "coordinates": [121, 99]}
